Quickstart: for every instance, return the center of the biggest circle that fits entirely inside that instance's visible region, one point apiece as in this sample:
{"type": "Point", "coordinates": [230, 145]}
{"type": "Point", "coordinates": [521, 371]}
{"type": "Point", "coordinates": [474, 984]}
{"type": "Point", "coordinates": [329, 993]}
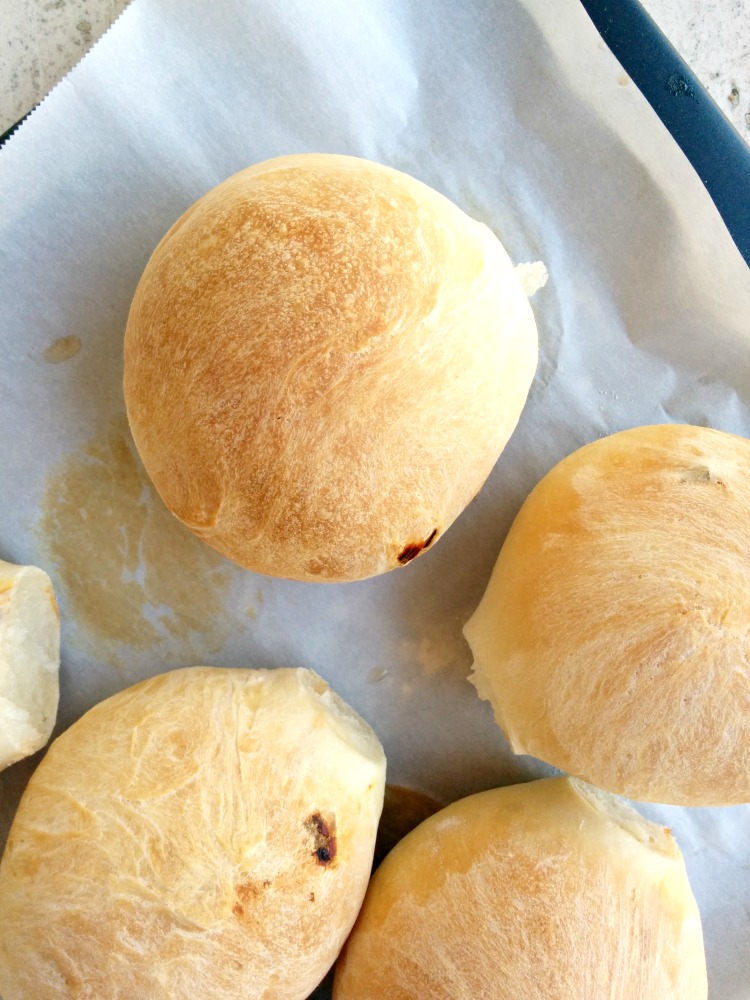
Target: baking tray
{"type": "Point", "coordinates": [708, 140]}
{"type": "Point", "coordinates": [718, 154]}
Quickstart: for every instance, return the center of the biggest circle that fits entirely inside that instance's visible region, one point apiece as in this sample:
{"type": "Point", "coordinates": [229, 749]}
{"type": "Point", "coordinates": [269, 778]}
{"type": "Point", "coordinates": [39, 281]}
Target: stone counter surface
{"type": "Point", "coordinates": [41, 40]}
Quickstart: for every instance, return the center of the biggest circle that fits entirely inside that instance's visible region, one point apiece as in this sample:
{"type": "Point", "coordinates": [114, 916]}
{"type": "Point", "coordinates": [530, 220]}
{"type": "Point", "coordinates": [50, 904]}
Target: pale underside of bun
{"type": "Point", "coordinates": [206, 834]}
{"type": "Point", "coordinates": [545, 890]}
{"type": "Point", "coordinates": [29, 661]}
{"type": "Point", "coordinates": [323, 360]}
{"type": "Point", "coordinates": [612, 639]}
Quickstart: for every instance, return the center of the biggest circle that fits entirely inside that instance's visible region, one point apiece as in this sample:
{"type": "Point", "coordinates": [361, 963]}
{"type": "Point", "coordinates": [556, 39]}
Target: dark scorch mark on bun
{"type": "Point", "coordinates": [324, 832]}
{"type": "Point", "coordinates": [412, 550]}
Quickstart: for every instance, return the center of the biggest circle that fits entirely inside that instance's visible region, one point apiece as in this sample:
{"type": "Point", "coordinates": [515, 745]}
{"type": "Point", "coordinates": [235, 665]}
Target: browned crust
{"type": "Point", "coordinates": [613, 640]}
{"type": "Point", "coordinates": [323, 360]}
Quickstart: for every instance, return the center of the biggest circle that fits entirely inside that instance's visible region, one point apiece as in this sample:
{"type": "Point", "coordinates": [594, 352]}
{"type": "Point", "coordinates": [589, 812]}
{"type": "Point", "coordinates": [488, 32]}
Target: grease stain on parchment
{"type": "Point", "coordinates": [253, 609]}
{"type": "Point", "coordinates": [62, 349]}
{"type": "Point", "coordinates": [133, 576]}
{"type": "Point", "coordinates": [437, 648]}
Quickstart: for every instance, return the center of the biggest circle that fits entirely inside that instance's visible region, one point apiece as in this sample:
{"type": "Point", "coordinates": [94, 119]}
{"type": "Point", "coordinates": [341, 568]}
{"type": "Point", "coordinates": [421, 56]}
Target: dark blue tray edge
{"type": "Point", "coordinates": [716, 151]}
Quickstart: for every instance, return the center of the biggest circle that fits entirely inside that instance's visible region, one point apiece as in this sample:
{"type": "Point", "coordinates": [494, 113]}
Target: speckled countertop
{"type": "Point", "coordinates": [42, 39]}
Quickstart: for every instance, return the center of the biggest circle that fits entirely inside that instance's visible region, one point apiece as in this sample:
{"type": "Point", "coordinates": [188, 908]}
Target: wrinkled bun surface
{"type": "Point", "coordinates": [543, 890]}
{"type": "Point", "coordinates": [613, 638]}
{"type": "Point", "coordinates": [205, 834]}
{"type": "Point", "coordinates": [324, 359]}
{"type": "Point", "coordinates": [29, 661]}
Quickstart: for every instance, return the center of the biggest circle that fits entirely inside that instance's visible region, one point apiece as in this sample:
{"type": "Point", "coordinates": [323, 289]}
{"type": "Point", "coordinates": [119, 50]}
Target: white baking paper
{"type": "Point", "coordinates": [514, 109]}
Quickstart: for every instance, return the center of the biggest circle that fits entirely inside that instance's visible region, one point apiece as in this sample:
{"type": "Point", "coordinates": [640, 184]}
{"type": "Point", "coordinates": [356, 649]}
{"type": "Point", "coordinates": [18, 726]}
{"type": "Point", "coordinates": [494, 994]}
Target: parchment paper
{"type": "Point", "coordinates": [515, 110]}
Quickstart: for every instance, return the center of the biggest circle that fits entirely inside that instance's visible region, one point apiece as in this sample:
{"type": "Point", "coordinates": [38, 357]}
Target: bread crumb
{"type": "Point", "coordinates": [532, 276]}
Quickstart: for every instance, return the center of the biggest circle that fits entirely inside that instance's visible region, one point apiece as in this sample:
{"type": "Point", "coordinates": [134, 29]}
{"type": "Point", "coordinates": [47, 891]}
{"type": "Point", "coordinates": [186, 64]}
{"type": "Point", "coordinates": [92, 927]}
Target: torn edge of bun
{"type": "Point", "coordinates": [532, 276]}
{"type": "Point", "coordinates": [478, 679]}
{"type": "Point", "coordinates": [616, 810]}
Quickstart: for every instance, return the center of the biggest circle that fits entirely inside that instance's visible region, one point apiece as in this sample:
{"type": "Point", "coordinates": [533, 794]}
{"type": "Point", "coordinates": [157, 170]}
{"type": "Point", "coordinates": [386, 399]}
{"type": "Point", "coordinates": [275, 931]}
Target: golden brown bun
{"type": "Point", "coordinates": [323, 360]}
{"type": "Point", "coordinates": [544, 891]}
{"type": "Point", "coordinates": [612, 639]}
{"type": "Point", "coordinates": [205, 834]}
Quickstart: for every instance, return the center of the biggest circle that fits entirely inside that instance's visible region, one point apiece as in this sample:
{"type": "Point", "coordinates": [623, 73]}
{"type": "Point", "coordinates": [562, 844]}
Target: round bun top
{"type": "Point", "coordinates": [613, 638]}
{"type": "Point", "coordinates": [546, 889]}
{"type": "Point", "coordinates": [323, 360]}
{"type": "Point", "coordinates": [207, 833]}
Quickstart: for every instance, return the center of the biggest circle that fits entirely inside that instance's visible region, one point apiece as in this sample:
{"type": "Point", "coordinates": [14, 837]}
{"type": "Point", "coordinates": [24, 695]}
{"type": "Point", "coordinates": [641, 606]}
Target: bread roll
{"type": "Point", "coordinates": [612, 639]}
{"type": "Point", "coordinates": [323, 360]}
{"type": "Point", "coordinates": [205, 834]}
{"type": "Point", "coordinates": [544, 890]}
{"type": "Point", "coordinates": [29, 661]}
